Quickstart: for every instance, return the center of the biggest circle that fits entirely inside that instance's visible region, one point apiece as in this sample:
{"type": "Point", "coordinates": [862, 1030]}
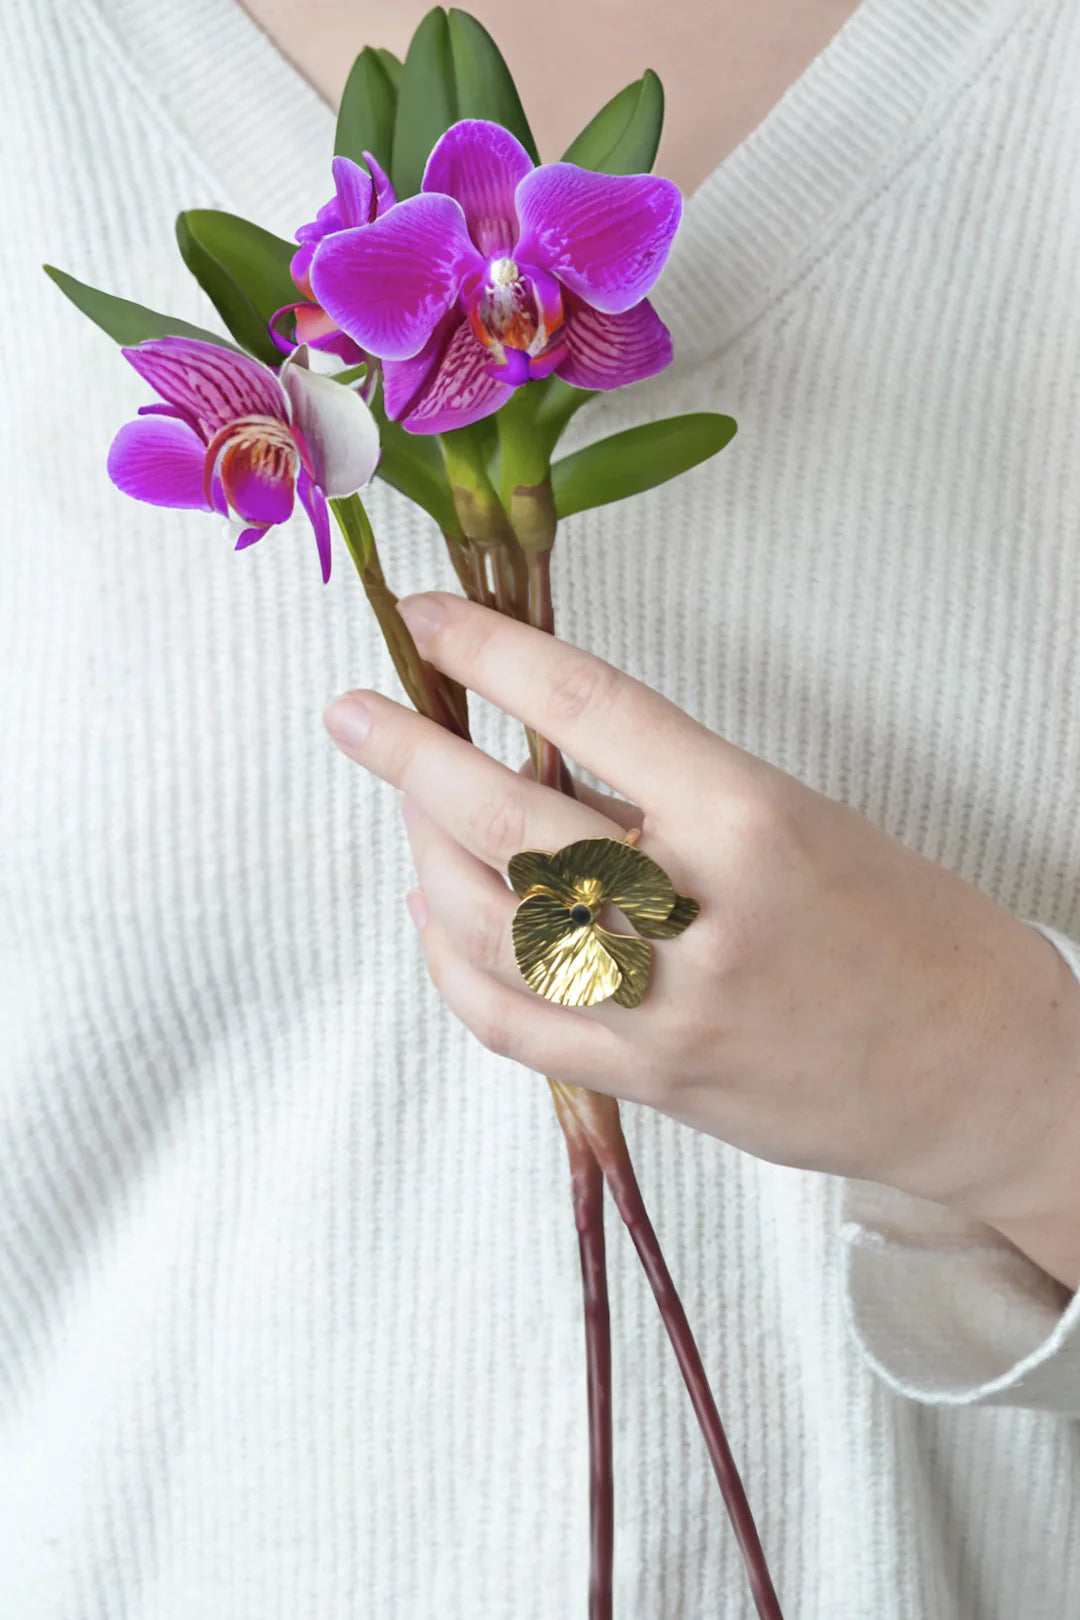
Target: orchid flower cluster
{"type": "Point", "coordinates": [438, 324]}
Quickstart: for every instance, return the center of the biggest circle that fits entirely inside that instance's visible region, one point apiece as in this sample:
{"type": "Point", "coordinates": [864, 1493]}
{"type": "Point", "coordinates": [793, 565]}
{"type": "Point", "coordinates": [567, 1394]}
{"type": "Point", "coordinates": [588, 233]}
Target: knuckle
{"type": "Point", "coordinates": [496, 827]}
{"type": "Point", "coordinates": [581, 684]}
{"type": "Point", "coordinates": [758, 821]}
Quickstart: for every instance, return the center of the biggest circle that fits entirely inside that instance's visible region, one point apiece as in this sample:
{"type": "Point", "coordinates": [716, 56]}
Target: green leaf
{"type": "Point", "coordinates": [413, 464]}
{"type": "Point", "coordinates": [427, 101]}
{"type": "Point", "coordinates": [125, 322]}
{"type": "Point", "coordinates": [638, 459]}
{"type": "Point", "coordinates": [243, 269]}
{"type": "Point", "coordinates": [624, 136]}
{"type": "Point", "coordinates": [391, 66]}
{"type": "Point", "coordinates": [485, 86]}
{"type": "Point", "coordinates": [366, 115]}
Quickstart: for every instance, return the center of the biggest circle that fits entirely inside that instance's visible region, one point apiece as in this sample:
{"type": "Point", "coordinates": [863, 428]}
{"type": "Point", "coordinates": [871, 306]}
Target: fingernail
{"type": "Point", "coordinates": [348, 720]}
{"type": "Point", "coordinates": [417, 908]}
{"type": "Point", "coordinates": [409, 810]}
{"type": "Point", "coordinates": [422, 614]}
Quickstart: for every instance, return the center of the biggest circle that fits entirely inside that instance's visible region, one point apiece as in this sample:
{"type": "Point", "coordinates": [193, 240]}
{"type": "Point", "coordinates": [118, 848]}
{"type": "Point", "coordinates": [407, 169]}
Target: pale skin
{"type": "Point", "coordinates": [841, 1003]}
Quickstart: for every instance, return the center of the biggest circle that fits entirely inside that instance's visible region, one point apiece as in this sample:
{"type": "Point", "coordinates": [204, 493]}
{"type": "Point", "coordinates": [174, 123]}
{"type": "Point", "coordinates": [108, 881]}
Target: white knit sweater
{"type": "Point", "coordinates": [289, 1295]}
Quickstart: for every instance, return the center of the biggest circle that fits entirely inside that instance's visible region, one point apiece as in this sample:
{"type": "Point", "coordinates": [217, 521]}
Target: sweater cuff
{"type": "Point", "coordinates": [946, 1310]}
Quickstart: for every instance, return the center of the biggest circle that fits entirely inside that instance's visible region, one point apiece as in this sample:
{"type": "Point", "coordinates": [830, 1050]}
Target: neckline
{"type": "Point", "coordinates": [262, 135]}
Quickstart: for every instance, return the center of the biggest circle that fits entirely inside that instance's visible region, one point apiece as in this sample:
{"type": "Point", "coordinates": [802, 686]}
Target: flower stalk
{"type": "Point", "coordinates": [525, 473]}
{"type": "Point", "coordinates": [433, 694]}
{"type": "Point", "coordinates": [587, 1186]}
{"type": "Point", "coordinates": [484, 519]}
{"type": "Point", "coordinates": [598, 1119]}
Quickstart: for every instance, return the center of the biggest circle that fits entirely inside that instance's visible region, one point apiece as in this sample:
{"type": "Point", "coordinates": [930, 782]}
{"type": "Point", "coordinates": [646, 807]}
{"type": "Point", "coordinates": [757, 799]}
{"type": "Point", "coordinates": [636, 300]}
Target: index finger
{"type": "Point", "coordinates": [627, 734]}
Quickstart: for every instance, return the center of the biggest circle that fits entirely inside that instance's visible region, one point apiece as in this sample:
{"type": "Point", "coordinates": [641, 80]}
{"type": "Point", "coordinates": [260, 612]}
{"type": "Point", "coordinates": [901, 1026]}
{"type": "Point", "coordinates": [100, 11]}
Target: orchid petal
{"type": "Point", "coordinates": [513, 370]}
{"type": "Point", "coordinates": [314, 502]}
{"type": "Point", "coordinates": [300, 268]}
{"type": "Point", "coordinates": [313, 323]}
{"type": "Point", "coordinates": [160, 460]}
{"type": "Point", "coordinates": [384, 190]}
{"type": "Point", "coordinates": [355, 193]}
{"type": "Point", "coordinates": [210, 384]}
{"type": "Point", "coordinates": [606, 236]}
{"type": "Point", "coordinates": [248, 537]}
{"type": "Point", "coordinates": [335, 427]}
{"type": "Point", "coordinates": [461, 391]}
{"type": "Point", "coordinates": [480, 164]}
{"type": "Point", "coordinates": [258, 476]}
{"type": "Point", "coordinates": [389, 284]}
{"type": "Point", "coordinates": [609, 351]}
{"type": "Point", "coordinates": [550, 304]}
{"type": "Point", "coordinates": [543, 365]}
{"type": "Point", "coordinates": [405, 380]}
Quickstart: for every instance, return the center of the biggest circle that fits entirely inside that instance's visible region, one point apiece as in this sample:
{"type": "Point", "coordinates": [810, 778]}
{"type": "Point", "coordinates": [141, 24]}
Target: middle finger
{"type": "Point", "coordinates": [471, 903]}
{"type": "Point", "coordinates": [482, 804]}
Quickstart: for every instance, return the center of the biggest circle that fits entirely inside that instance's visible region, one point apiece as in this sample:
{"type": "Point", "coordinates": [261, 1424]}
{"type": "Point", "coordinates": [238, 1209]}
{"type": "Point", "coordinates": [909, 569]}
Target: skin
{"type": "Point", "coordinates": [754, 52]}
{"type": "Point", "coordinates": [841, 1003]}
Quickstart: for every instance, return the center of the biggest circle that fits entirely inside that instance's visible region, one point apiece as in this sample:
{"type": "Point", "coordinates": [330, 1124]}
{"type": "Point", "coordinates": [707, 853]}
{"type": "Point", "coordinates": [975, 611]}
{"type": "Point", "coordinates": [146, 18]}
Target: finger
{"type": "Point", "coordinates": [618, 728]}
{"type": "Point", "coordinates": [470, 902]}
{"type": "Point", "coordinates": [627, 815]}
{"type": "Point", "coordinates": [481, 803]}
{"type": "Point", "coordinates": [563, 1041]}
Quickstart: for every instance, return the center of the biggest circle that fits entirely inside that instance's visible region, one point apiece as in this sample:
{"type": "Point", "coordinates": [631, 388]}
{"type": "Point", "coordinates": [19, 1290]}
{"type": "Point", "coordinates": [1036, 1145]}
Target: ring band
{"type": "Point", "coordinates": [560, 948]}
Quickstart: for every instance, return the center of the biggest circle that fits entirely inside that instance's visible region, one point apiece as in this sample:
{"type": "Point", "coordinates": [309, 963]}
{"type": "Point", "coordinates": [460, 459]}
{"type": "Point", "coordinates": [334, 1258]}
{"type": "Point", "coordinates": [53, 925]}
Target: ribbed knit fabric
{"type": "Point", "coordinates": [289, 1296]}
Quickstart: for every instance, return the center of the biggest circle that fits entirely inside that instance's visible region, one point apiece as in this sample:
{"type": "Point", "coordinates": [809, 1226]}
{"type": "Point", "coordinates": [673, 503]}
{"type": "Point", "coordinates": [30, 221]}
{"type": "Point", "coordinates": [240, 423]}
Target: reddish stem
{"type": "Point", "coordinates": [587, 1186]}
{"type": "Point", "coordinates": [599, 1120]}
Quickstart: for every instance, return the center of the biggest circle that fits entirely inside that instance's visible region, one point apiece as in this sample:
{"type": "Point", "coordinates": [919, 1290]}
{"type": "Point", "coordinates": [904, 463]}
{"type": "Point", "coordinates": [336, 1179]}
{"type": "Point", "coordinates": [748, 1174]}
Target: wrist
{"type": "Point", "coordinates": [1030, 1187]}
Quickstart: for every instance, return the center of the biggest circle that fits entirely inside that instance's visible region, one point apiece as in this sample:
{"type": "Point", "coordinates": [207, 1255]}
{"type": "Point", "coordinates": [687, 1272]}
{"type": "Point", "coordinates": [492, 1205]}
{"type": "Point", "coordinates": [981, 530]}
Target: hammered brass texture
{"type": "Point", "coordinates": [562, 951]}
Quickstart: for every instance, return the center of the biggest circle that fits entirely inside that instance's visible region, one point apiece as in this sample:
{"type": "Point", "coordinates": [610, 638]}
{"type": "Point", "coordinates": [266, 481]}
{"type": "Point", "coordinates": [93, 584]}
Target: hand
{"type": "Point", "coordinates": [840, 1003]}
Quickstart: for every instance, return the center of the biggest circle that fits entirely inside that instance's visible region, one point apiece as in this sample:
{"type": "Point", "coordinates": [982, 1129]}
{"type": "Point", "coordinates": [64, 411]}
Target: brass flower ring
{"type": "Point", "coordinates": [560, 947]}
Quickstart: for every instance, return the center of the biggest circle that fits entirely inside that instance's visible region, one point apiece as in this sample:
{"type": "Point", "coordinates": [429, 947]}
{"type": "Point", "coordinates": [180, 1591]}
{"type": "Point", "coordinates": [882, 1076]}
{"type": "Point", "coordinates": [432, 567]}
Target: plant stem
{"type": "Point", "coordinates": [526, 472]}
{"type": "Point", "coordinates": [587, 1184]}
{"type": "Point", "coordinates": [434, 694]}
{"type": "Point", "coordinates": [464, 567]}
{"type": "Point", "coordinates": [548, 763]}
{"type": "Point", "coordinates": [598, 1118]}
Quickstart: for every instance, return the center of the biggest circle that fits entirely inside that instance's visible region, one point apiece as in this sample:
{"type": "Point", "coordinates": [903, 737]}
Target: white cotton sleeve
{"type": "Point", "coordinates": [946, 1310]}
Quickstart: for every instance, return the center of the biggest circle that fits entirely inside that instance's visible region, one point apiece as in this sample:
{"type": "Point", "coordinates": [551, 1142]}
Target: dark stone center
{"type": "Point", "coordinates": [580, 914]}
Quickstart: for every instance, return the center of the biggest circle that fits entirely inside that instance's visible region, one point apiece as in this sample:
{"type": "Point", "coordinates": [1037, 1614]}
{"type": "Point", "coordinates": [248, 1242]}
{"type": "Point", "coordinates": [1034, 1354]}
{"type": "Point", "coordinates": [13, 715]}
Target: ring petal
{"type": "Point", "coordinates": [563, 963]}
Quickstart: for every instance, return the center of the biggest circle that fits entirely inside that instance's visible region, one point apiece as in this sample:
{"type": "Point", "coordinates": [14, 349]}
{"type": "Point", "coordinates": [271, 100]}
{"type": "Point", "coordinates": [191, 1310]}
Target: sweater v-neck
{"type": "Point", "coordinates": [871, 97]}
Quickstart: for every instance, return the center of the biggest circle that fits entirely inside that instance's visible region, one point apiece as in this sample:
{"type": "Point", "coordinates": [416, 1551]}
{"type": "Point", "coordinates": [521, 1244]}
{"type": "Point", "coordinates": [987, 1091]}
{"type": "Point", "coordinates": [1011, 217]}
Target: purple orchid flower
{"type": "Point", "coordinates": [498, 273]}
{"type": "Point", "coordinates": [358, 200]}
{"type": "Point", "coordinates": [236, 438]}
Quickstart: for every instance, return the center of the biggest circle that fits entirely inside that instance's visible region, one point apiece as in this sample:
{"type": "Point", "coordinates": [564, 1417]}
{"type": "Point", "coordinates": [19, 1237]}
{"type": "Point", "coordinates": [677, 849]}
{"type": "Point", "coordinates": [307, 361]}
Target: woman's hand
{"type": "Point", "coordinates": [840, 1003]}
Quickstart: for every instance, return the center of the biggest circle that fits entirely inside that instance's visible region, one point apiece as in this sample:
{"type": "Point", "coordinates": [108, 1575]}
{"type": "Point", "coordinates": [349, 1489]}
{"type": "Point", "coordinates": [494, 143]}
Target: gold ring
{"type": "Point", "coordinates": [562, 951]}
